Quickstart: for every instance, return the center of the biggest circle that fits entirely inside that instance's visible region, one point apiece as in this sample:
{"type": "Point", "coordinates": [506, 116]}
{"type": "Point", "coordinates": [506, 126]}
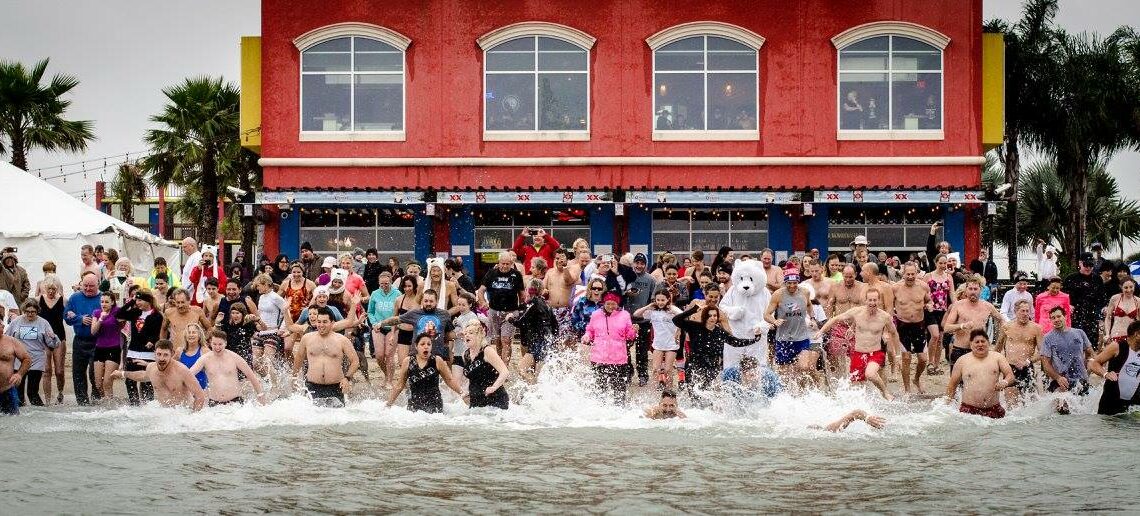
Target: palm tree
{"type": "Point", "coordinates": [32, 113]}
{"type": "Point", "coordinates": [1045, 209]}
{"type": "Point", "coordinates": [129, 184]}
{"type": "Point", "coordinates": [195, 144]}
{"type": "Point", "coordinates": [1028, 46]}
{"type": "Point", "coordinates": [1087, 114]}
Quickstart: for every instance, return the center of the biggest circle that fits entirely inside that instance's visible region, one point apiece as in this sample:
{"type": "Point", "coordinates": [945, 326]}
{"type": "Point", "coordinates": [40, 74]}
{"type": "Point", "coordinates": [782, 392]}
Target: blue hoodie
{"type": "Point", "coordinates": [81, 305]}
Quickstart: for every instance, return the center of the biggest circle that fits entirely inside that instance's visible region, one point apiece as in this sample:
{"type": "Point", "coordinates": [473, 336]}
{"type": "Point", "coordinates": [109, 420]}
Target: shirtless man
{"type": "Point", "coordinates": [870, 323]}
{"type": "Point", "coordinates": [10, 350]}
{"type": "Point", "coordinates": [967, 315]}
{"type": "Point", "coordinates": [172, 381]}
{"type": "Point", "coordinates": [559, 286]}
{"type": "Point", "coordinates": [773, 273]}
{"type": "Point", "coordinates": [1020, 339]}
{"type": "Point", "coordinates": [213, 298]}
{"type": "Point", "coordinates": [819, 283]}
{"type": "Point", "coordinates": [844, 296]}
{"type": "Point", "coordinates": [222, 367]}
{"type": "Point", "coordinates": [324, 352]}
{"type": "Point", "coordinates": [869, 272]}
{"type": "Point", "coordinates": [178, 315]}
{"type": "Point", "coordinates": [912, 299]}
{"type": "Point", "coordinates": [982, 375]}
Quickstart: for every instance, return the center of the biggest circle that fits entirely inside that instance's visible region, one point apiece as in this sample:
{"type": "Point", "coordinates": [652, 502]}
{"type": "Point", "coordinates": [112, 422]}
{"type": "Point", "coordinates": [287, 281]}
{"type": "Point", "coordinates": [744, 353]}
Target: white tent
{"type": "Point", "coordinates": [45, 224]}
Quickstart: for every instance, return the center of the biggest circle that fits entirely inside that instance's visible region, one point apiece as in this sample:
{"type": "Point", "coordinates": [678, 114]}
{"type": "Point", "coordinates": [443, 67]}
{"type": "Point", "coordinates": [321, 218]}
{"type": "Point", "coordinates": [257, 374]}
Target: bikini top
{"type": "Point", "coordinates": [1119, 312]}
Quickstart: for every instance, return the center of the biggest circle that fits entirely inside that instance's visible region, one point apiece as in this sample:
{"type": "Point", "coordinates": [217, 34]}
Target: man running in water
{"type": "Point", "coordinates": [1020, 340]}
{"type": "Point", "coordinates": [968, 315]}
{"type": "Point", "coordinates": [10, 351]}
{"type": "Point", "coordinates": [222, 367]}
{"type": "Point", "coordinates": [559, 287]}
{"type": "Point", "coordinates": [871, 323]}
{"type": "Point", "coordinates": [869, 272]}
{"type": "Point", "coordinates": [845, 296]}
{"type": "Point", "coordinates": [324, 352]}
{"type": "Point", "coordinates": [982, 375]}
{"type": "Point", "coordinates": [172, 381]}
{"type": "Point", "coordinates": [912, 300]}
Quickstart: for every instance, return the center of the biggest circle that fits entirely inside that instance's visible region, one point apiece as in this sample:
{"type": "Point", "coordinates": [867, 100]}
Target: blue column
{"type": "Point", "coordinates": [462, 226]}
{"type": "Point", "coordinates": [817, 228]}
{"type": "Point", "coordinates": [601, 226]}
{"type": "Point", "coordinates": [640, 226]}
{"type": "Point", "coordinates": [289, 229]}
{"type": "Point", "coordinates": [955, 224]}
{"type": "Point", "coordinates": [152, 218]}
{"type": "Point", "coordinates": [779, 230]}
{"type": "Point", "coordinates": [423, 231]}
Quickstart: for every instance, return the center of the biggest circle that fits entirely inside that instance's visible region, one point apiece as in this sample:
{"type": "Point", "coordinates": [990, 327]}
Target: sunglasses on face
{"type": "Point", "coordinates": [596, 289]}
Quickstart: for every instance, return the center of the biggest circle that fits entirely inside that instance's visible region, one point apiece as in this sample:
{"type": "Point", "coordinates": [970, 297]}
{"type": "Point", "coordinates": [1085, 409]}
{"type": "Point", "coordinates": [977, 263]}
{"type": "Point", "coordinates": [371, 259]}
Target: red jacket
{"type": "Point", "coordinates": [198, 277]}
{"type": "Point", "coordinates": [527, 252]}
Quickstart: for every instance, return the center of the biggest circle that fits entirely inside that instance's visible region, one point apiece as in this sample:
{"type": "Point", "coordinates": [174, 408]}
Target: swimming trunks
{"type": "Point", "coordinates": [840, 343]}
{"type": "Point", "coordinates": [786, 352]}
{"type": "Point", "coordinates": [934, 317]}
{"type": "Point", "coordinates": [235, 401]}
{"type": "Point", "coordinates": [10, 402]}
{"type": "Point", "coordinates": [1024, 378]}
{"type": "Point", "coordinates": [995, 412]}
{"type": "Point", "coordinates": [956, 353]}
{"type": "Point", "coordinates": [319, 391]}
{"type": "Point", "coordinates": [912, 335]}
{"type": "Point", "coordinates": [108, 354]}
{"type": "Point", "coordinates": [860, 361]}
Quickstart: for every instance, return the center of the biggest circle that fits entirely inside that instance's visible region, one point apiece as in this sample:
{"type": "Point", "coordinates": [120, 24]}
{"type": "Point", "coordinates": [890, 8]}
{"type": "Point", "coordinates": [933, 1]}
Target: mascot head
{"type": "Point", "coordinates": [748, 277]}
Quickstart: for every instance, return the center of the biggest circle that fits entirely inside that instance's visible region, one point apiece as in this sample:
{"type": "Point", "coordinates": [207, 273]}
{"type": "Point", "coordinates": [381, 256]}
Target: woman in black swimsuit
{"type": "Point", "coordinates": [422, 371]}
{"type": "Point", "coordinates": [484, 369]}
{"type": "Point", "coordinates": [410, 286]}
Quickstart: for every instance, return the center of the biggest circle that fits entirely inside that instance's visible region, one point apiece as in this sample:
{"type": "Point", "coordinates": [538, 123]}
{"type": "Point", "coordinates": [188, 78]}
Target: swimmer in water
{"type": "Point", "coordinates": [876, 422]}
{"type": "Point", "coordinates": [423, 371]}
{"type": "Point", "coordinates": [222, 367]}
{"type": "Point", "coordinates": [172, 381]}
{"type": "Point", "coordinates": [666, 408]}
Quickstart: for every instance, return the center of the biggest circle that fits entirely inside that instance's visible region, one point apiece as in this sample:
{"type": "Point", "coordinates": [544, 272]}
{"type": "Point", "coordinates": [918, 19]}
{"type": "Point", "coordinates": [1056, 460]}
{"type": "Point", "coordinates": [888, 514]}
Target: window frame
{"type": "Point", "coordinates": [352, 30]}
{"type": "Point", "coordinates": [730, 210]}
{"type": "Point", "coordinates": [891, 29]}
{"type": "Point", "coordinates": [536, 134]}
{"type": "Point", "coordinates": [705, 29]}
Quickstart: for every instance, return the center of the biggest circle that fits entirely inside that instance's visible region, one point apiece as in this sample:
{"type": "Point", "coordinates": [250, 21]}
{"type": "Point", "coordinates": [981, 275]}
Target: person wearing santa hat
{"type": "Point", "coordinates": [207, 268]}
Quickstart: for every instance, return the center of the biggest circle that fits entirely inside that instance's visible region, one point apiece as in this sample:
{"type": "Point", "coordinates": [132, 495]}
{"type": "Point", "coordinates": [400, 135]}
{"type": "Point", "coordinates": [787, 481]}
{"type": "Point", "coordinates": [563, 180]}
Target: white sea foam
{"type": "Point", "coordinates": [563, 398]}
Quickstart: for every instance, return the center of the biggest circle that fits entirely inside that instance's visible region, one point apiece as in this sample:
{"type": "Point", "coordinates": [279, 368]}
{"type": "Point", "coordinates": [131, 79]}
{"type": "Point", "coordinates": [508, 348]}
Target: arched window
{"type": "Point", "coordinates": [352, 83]}
{"type": "Point", "coordinates": [705, 82]}
{"type": "Point", "coordinates": [890, 82]}
{"type": "Point", "coordinates": [536, 83]}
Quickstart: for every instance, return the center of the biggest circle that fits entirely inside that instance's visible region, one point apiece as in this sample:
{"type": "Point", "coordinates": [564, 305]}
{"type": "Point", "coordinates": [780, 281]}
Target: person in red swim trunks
{"type": "Point", "coordinates": [982, 376]}
{"type": "Point", "coordinates": [871, 323]}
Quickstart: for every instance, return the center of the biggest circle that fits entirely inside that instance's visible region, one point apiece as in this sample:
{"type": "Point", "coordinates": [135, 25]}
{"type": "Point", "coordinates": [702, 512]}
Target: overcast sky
{"type": "Point", "coordinates": [126, 51]}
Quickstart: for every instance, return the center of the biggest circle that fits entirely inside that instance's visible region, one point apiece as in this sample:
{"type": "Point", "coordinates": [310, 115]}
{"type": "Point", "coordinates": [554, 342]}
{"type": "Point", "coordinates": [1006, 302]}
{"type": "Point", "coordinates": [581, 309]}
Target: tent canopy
{"type": "Point", "coordinates": [45, 224]}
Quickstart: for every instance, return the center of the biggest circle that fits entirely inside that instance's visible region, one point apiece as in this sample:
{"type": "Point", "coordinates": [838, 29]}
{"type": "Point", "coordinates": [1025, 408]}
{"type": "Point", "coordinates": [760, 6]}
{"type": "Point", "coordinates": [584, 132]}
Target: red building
{"type": "Point", "coordinates": [434, 126]}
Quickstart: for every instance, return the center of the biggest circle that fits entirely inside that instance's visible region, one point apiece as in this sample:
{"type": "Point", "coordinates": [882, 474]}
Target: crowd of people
{"type": "Point", "coordinates": [743, 327]}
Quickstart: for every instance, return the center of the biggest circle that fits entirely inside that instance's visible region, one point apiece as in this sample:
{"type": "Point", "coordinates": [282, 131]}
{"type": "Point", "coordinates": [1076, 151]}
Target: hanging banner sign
{"type": "Point", "coordinates": [900, 196]}
{"type": "Point", "coordinates": [566, 197]}
{"type": "Point", "coordinates": [664, 197]}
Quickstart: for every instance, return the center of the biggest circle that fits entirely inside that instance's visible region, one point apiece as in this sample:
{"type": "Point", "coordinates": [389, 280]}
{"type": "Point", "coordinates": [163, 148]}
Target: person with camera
{"type": "Point", "coordinates": [541, 245]}
{"type": "Point", "coordinates": [207, 268]}
{"type": "Point", "coordinates": [14, 278]}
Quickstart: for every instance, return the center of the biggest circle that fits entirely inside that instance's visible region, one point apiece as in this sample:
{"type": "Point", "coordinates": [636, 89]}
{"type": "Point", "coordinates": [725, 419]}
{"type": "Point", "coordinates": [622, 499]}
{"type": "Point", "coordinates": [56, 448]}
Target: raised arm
{"type": "Point", "coordinates": [682, 321]}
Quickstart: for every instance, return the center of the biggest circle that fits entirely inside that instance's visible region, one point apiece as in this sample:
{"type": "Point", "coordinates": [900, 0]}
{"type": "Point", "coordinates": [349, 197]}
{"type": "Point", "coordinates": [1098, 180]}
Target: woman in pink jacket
{"type": "Point", "coordinates": [605, 339]}
{"type": "Point", "coordinates": [1047, 300]}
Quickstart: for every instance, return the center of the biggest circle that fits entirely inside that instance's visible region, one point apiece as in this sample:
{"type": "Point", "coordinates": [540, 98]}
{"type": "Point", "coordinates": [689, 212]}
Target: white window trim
{"type": "Point", "coordinates": [903, 29]}
{"type": "Point", "coordinates": [705, 28]}
{"type": "Point", "coordinates": [886, 28]}
{"type": "Point", "coordinates": [353, 30]}
{"type": "Point", "coordinates": [536, 30]}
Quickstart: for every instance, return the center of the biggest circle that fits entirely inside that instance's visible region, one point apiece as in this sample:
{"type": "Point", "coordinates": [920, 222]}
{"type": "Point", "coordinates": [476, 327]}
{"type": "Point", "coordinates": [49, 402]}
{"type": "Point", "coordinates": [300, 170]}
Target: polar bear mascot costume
{"type": "Point", "coordinates": [744, 306]}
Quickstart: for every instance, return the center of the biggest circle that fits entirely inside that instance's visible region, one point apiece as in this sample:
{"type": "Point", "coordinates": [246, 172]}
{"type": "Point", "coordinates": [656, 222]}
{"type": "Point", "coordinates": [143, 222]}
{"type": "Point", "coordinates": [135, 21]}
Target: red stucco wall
{"type": "Point", "coordinates": [797, 93]}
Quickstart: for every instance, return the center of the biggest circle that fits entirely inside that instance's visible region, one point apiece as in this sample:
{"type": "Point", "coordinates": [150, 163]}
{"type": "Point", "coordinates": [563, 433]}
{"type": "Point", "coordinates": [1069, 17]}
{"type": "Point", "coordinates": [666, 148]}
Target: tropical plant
{"type": "Point", "coordinates": [196, 144]}
{"type": "Point", "coordinates": [1029, 44]}
{"type": "Point", "coordinates": [1088, 114]}
{"type": "Point", "coordinates": [129, 184]}
{"type": "Point", "coordinates": [32, 114]}
{"type": "Point", "coordinates": [1045, 209]}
